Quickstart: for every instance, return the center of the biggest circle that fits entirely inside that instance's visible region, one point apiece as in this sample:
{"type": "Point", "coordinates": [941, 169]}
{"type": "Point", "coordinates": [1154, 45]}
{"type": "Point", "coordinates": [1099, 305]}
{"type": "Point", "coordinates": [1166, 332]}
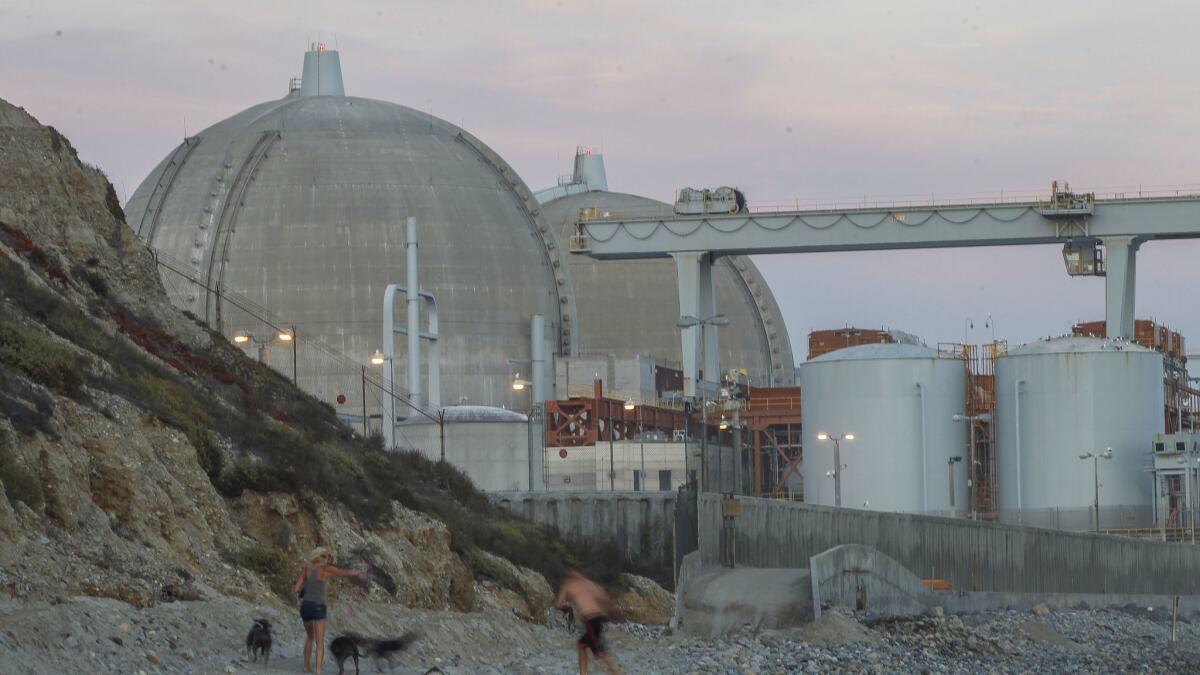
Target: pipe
{"type": "Point", "coordinates": [924, 454]}
{"type": "Point", "coordinates": [537, 332]}
{"type": "Point", "coordinates": [1017, 426]}
{"type": "Point", "coordinates": [537, 354]}
{"type": "Point", "coordinates": [414, 312]}
{"type": "Point", "coordinates": [389, 370]}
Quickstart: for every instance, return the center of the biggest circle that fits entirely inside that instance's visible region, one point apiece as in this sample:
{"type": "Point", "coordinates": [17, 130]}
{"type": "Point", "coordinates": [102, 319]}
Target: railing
{"type": "Point", "coordinates": [771, 404]}
{"type": "Point", "coordinates": [1021, 197]}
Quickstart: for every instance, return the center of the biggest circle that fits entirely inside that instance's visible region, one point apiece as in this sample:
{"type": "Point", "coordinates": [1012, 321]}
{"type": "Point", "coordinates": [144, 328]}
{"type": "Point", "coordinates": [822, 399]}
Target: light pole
{"type": "Point", "coordinates": [950, 469]}
{"type": "Point", "coordinates": [630, 405]}
{"type": "Point", "coordinates": [245, 337]}
{"type": "Point", "coordinates": [687, 321]}
{"type": "Point", "coordinates": [837, 461]}
{"type": "Point", "coordinates": [378, 359]}
{"type": "Point", "coordinates": [970, 420]}
{"type": "Point", "coordinates": [1096, 457]}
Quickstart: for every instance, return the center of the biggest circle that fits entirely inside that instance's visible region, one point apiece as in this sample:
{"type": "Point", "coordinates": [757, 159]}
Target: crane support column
{"type": "Point", "coordinates": [1120, 255]}
{"type": "Point", "coordinates": [697, 298]}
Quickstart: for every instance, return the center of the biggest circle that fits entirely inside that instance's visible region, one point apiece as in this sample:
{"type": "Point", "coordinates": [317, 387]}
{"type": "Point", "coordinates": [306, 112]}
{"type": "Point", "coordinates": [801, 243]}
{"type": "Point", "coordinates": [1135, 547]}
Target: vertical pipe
{"type": "Point", "coordinates": [433, 355]}
{"type": "Point", "coordinates": [1017, 429]}
{"type": "Point", "coordinates": [924, 454]}
{"type": "Point", "coordinates": [389, 369]}
{"type": "Point", "coordinates": [414, 312]}
{"type": "Point", "coordinates": [537, 355]}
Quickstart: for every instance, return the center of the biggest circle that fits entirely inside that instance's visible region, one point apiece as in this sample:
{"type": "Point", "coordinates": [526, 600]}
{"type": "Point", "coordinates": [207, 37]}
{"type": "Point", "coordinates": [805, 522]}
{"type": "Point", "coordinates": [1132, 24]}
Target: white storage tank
{"type": "Point", "coordinates": [1060, 398]}
{"type": "Point", "coordinates": [899, 401]}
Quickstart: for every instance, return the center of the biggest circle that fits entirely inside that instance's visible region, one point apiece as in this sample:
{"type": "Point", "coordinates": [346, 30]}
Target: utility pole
{"type": "Point", "coordinates": [1096, 457]}
{"type": "Point", "coordinates": [364, 400]}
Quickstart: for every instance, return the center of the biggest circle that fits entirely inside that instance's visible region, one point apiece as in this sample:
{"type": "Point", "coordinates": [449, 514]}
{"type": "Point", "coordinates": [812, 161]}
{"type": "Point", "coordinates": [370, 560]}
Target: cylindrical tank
{"type": "Point", "coordinates": [898, 400]}
{"type": "Point", "coordinates": [1060, 398]}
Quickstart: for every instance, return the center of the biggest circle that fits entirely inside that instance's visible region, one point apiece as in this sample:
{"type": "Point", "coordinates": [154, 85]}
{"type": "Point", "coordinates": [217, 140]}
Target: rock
{"type": "Point", "coordinates": [643, 601]}
{"type": "Point", "coordinates": [936, 612]}
{"type": "Point", "coordinates": [152, 658]}
{"type": "Point", "coordinates": [833, 629]}
{"type": "Point", "coordinates": [1040, 609]}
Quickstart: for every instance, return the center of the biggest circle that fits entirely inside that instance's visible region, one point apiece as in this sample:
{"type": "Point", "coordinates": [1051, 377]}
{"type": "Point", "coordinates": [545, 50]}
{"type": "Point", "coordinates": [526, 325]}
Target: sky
{"type": "Point", "coordinates": [786, 100]}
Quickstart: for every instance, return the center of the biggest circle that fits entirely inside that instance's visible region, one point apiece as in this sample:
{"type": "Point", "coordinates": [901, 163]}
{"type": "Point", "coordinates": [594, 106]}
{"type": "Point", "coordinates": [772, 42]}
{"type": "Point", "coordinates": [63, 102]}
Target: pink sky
{"type": "Point", "coordinates": [785, 99]}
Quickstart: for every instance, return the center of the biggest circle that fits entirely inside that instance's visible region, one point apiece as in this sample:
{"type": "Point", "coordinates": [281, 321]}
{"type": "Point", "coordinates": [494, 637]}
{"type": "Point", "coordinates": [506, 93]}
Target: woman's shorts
{"type": "Point", "coordinates": [312, 611]}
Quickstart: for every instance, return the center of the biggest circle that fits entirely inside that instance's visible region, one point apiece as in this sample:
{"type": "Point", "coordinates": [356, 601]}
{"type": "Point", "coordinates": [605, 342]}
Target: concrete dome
{"type": "Point", "coordinates": [631, 306]}
{"type": "Point", "coordinates": [299, 205]}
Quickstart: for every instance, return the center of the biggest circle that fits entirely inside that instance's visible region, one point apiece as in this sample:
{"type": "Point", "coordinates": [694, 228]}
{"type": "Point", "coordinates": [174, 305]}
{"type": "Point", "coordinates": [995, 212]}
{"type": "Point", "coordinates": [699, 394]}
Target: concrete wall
{"type": "Point", "coordinates": [640, 524]}
{"type": "Point", "coordinates": [586, 468]}
{"type": "Point", "coordinates": [495, 455]}
{"type": "Point", "coordinates": [970, 555]}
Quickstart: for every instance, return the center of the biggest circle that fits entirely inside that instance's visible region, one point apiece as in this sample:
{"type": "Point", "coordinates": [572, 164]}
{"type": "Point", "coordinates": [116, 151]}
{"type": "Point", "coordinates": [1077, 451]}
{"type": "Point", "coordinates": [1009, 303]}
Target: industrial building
{"type": "Point", "coordinates": [297, 207]}
{"type": "Point", "coordinates": [285, 227]}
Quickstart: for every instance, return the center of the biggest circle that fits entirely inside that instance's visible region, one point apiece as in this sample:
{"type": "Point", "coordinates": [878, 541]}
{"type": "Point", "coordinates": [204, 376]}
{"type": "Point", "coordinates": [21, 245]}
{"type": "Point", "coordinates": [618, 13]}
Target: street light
{"type": "Point", "coordinates": [244, 337]}
{"type": "Point", "coordinates": [837, 461]}
{"type": "Point", "coordinates": [378, 359]}
{"type": "Point", "coordinates": [1096, 457]}
{"type": "Point", "coordinates": [688, 321]}
{"type": "Point", "coordinates": [629, 407]}
{"type": "Point", "coordinates": [518, 384]}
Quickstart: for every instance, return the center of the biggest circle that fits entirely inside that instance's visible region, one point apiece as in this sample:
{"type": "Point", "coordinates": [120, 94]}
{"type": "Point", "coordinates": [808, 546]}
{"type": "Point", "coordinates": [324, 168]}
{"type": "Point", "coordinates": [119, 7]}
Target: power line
{"type": "Point", "coordinates": [312, 344]}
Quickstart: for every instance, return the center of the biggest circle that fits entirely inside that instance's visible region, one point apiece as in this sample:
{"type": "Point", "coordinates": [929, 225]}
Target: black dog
{"type": "Point", "coordinates": [258, 640]}
{"type": "Point", "coordinates": [351, 646]}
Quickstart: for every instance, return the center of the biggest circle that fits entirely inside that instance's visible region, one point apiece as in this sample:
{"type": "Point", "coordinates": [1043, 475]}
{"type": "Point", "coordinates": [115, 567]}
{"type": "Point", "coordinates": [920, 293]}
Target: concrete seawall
{"type": "Point", "coordinates": [641, 525]}
{"type": "Point", "coordinates": [970, 555]}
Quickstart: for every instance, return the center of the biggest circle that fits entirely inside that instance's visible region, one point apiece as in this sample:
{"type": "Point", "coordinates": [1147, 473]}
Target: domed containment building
{"type": "Point", "coordinates": [299, 206]}
{"type": "Point", "coordinates": [628, 307]}
{"type": "Point", "coordinates": [294, 210]}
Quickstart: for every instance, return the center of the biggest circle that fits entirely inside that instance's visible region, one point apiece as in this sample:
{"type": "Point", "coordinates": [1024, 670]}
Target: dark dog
{"type": "Point", "coordinates": [351, 646]}
{"type": "Point", "coordinates": [258, 640]}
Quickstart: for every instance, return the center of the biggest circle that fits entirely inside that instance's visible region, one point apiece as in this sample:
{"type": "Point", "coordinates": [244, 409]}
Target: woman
{"type": "Point", "coordinates": [310, 585]}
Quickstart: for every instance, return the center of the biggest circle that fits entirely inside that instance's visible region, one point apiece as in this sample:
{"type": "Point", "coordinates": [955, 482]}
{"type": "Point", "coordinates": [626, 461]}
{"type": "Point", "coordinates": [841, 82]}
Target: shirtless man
{"type": "Point", "coordinates": [590, 604]}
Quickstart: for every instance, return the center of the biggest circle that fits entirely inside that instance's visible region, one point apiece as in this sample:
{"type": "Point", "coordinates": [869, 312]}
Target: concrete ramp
{"type": "Point", "coordinates": [718, 600]}
{"type": "Point", "coordinates": [858, 577]}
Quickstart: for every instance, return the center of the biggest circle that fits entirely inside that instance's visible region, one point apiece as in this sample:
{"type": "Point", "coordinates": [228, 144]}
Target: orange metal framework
{"type": "Point", "coordinates": [577, 422]}
{"type": "Point", "coordinates": [825, 341]}
{"type": "Point", "coordinates": [980, 361]}
{"type": "Point", "coordinates": [772, 416]}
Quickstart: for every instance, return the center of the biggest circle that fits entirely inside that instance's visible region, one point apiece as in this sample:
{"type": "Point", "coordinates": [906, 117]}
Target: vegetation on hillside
{"type": "Point", "coordinates": [279, 438]}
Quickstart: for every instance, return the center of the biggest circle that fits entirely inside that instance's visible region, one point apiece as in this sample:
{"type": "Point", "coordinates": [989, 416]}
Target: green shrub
{"type": "Point", "coordinates": [273, 564]}
{"type": "Point", "coordinates": [39, 357]}
{"type": "Point", "coordinates": [172, 402]}
{"type": "Point", "coordinates": [489, 568]}
{"type": "Point", "coordinates": [208, 453]}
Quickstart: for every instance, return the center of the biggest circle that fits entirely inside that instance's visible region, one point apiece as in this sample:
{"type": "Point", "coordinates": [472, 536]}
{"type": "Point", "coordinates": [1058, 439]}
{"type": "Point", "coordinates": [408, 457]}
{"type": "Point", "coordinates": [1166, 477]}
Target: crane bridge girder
{"type": "Point", "coordinates": [694, 241]}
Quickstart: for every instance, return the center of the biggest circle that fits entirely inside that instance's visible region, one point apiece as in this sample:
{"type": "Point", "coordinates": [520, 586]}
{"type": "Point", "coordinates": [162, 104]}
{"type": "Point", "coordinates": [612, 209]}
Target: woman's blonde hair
{"type": "Point", "coordinates": [319, 552]}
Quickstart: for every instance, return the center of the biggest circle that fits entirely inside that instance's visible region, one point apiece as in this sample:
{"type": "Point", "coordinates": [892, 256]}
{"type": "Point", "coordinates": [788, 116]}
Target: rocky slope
{"type": "Point", "coordinates": [144, 459]}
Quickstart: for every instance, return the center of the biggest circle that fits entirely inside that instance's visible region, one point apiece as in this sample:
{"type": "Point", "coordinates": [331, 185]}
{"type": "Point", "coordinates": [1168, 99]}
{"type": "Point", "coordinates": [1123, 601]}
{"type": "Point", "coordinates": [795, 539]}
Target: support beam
{"type": "Point", "coordinates": [697, 297]}
{"type": "Point", "coordinates": [1120, 257]}
{"type": "Point", "coordinates": [886, 228]}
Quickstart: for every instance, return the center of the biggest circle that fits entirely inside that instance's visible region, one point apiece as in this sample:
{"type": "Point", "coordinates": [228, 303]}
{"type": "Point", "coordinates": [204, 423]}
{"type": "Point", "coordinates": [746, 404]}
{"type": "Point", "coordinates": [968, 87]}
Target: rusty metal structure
{"type": "Point", "coordinates": [769, 416]}
{"type": "Point", "coordinates": [980, 413]}
{"type": "Point", "coordinates": [772, 417]}
{"type": "Point", "coordinates": [583, 421]}
{"type": "Point", "coordinates": [821, 342]}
